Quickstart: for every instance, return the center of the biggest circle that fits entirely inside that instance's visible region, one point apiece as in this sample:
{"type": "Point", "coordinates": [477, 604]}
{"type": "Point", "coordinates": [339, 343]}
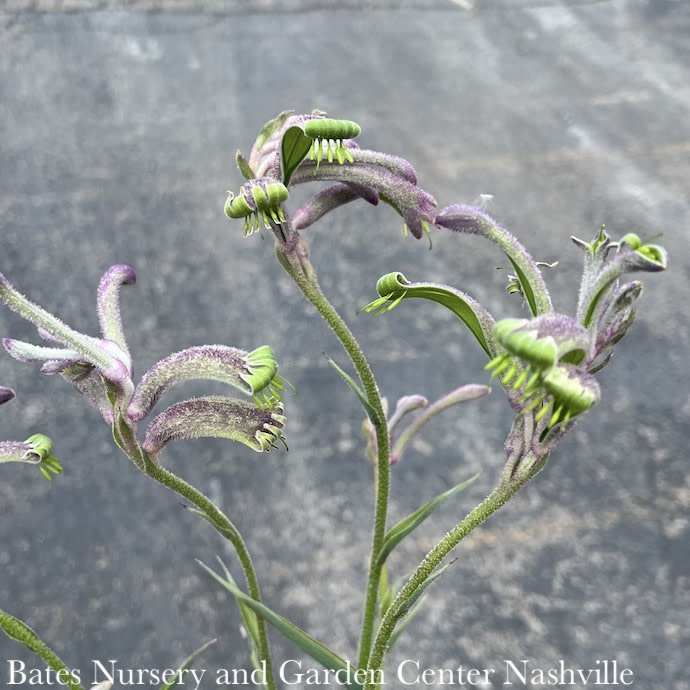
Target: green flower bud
{"type": "Point", "coordinates": [258, 199]}
{"type": "Point", "coordinates": [330, 132]}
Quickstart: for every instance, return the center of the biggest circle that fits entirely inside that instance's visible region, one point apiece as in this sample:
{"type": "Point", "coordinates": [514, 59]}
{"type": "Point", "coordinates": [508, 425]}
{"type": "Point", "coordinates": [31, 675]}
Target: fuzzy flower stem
{"type": "Point", "coordinates": [495, 500]}
{"type": "Point", "coordinates": [19, 631]}
{"type": "Point", "coordinates": [297, 264]}
{"type": "Point", "coordinates": [468, 219]}
{"type": "Point", "coordinates": [150, 466]}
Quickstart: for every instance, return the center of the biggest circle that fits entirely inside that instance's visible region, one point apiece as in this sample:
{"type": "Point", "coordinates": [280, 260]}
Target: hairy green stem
{"type": "Point", "coordinates": [126, 438]}
{"type": "Point", "coordinates": [297, 264]}
{"type": "Point", "coordinates": [497, 498]}
{"type": "Point", "coordinates": [228, 529]}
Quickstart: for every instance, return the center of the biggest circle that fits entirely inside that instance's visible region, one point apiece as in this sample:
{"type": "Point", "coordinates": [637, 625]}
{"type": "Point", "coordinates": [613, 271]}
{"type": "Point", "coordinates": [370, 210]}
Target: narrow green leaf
{"type": "Point", "coordinates": [385, 592]}
{"type": "Point", "coordinates": [185, 665]}
{"type": "Point", "coordinates": [244, 167]}
{"type": "Point", "coordinates": [224, 532]}
{"type": "Point", "coordinates": [527, 290]}
{"type": "Point", "coordinates": [294, 147]}
{"type": "Point", "coordinates": [596, 298]}
{"type": "Point", "coordinates": [20, 632]}
{"type": "Point", "coordinates": [368, 408]}
{"type": "Point", "coordinates": [317, 651]}
{"type": "Point", "coordinates": [249, 618]}
{"type": "Point", "coordinates": [411, 522]}
{"type": "Point", "coordinates": [400, 627]}
{"type": "Point", "coordinates": [406, 607]}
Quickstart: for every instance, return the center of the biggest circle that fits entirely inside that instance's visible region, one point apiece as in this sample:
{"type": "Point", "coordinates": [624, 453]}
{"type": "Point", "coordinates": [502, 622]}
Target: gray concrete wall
{"type": "Point", "coordinates": [118, 128]}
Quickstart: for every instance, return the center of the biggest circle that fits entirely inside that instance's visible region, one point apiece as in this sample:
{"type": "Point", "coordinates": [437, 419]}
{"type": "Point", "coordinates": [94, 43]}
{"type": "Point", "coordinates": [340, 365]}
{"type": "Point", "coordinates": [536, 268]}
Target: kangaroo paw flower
{"type": "Point", "coordinates": [218, 417]}
{"type": "Point", "coordinates": [258, 200]}
{"type": "Point", "coordinates": [36, 450]}
{"type": "Point", "coordinates": [296, 149]}
{"type": "Point", "coordinates": [250, 372]}
{"type": "Point", "coordinates": [108, 356]}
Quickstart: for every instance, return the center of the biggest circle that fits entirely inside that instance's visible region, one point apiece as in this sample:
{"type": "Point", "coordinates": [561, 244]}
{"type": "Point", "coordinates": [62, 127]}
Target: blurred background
{"type": "Point", "coordinates": [119, 124]}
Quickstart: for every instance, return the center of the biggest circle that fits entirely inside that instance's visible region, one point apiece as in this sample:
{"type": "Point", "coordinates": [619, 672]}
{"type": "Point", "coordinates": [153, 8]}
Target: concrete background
{"type": "Point", "coordinates": [118, 127]}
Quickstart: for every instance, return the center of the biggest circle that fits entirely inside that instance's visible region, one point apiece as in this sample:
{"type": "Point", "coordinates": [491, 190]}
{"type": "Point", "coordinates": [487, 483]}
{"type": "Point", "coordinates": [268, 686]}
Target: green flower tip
{"type": "Point", "coordinates": [330, 134]}
{"type": "Point", "coordinates": [540, 363]}
{"type": "Point", "coordinates": [651, 252]}
{"type": "Point", "coordinates": [522, 341]}
{"type": "Point", "coordinates": [258, 200]}
{"type": "Point", "coordinates": [40, 452]}
{"type": "Point", "coordinates": [261, 376]}
{"type": "Point", "coordinates": [600, 242]}
{"type": "Point", "coordinates": [217, 417]}
{"type": "Point", "coordinates": [565, 393]}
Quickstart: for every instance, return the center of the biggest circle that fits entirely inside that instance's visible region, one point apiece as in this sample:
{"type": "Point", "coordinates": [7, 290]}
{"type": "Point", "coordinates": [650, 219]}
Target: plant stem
{"type": "Point", "coordinates": [297, 264]}
{"type": "Point", "coordinates": [476, 517]}
{"type": "Point", "coordinates": [228, 529]}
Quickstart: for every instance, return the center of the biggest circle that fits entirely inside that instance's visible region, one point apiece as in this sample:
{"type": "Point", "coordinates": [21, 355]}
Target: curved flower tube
{"type": "Point", "coordinates": [250, 372]}
{"type": "Point", "coordinates": [472, 220]}
{"type": "Point", "coordinates": [101, 369]}
{"type": "Point", "coordinates": [106, 355]}
{"type": "Point", "coordinates": [217, 417]}
{"type": "Point", "coordinates": [36, 450]}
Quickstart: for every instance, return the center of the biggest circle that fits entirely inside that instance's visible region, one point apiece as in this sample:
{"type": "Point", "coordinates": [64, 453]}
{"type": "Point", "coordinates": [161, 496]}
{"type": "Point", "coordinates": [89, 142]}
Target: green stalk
{"type": "Point", "coordinates": [126, 438]}
{"type": "Point", "coordinates": [228, 529]}
{"type": "Point", "coordinates": [497, 498]}
{"type": "Point", "coordinates": [296, 263]}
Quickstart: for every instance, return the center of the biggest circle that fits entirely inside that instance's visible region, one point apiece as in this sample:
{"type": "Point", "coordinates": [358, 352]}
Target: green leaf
{"type": "Point", "coordinates": [317, 651]}
{"type": "Point", "coordinates": [218, 527]}
{"type": "Point", "coordinates": [394, 287]}
{"type": "Point", "coordinates": [249, 618]}
{"type": "Point", "coordinates": [400, 627]}
{"type": "Point", "coordinates": [185, 665]}
{"type": "Point", "coordinates": [526, 288]}
{"type": "Point", "coordinates": [293, 149]}
{"type": "Point", "coordinates": [368, 408]}
{"type": "Point", "coordinates": [244, 167]}
{"type": "Point", "coordinates": [270, 128]}
{"type": "Point", "coordinates": [407, 607]}
{"type": "Point", "coordinates": [407, 525]}
{"type": "Point", "coordinates": [20, 632]}
{"type": "Point", "coordinates": [385, 592]}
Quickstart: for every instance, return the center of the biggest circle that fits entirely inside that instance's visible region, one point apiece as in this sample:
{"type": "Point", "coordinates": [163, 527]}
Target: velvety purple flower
{"type": "Point", "coordinates": [544, 367]}
{"type": "Point", "coordinates": [101, 369]}
{"type": "Point", "coordinates": [250, 372]}
{"type": "Point", "coordinates": [417, 207]}
{"type": "Point", "coordinates": [85, 361]}
{"type": "Point", "coordinates": [219, 417]}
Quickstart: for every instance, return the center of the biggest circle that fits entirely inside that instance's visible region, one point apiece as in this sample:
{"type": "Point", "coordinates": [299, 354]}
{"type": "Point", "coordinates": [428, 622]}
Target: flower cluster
{"type": "Point", "coordinates": [101, 368]}
{"type": "Point", "coordinates": [295, 149]}
{"type": "Point", "coordinates": [546, 363]}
